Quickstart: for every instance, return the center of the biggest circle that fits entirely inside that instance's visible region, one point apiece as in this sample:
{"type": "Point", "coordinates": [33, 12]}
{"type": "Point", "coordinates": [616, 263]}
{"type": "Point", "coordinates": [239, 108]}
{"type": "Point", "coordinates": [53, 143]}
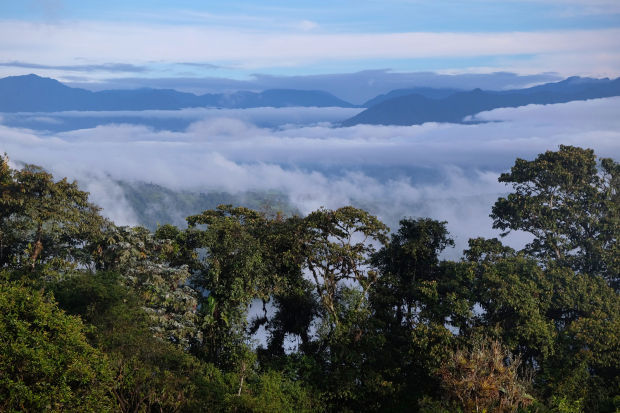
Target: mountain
{"type": "Point", "coordinates": [416, 109]}
{"type": "Point", "coordinates": [428, 92]}
{"type": "Point", "coordinates": [32, 93]}
{"type": "Point", "coordinates": [276, 98]}
{"type": "Point", "coordinates": [572, 84]}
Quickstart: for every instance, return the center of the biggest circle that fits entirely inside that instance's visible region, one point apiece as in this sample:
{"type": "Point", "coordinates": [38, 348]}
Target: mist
{"type": "Point", "coordinates": [444, 171]}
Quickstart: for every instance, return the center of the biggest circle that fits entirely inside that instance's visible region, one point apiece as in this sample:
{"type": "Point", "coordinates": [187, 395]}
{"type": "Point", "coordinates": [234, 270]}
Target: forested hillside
{"type": "Point", "coordinates": [250, 311]}
{"type": "Point", "coordinates": [155, 205]}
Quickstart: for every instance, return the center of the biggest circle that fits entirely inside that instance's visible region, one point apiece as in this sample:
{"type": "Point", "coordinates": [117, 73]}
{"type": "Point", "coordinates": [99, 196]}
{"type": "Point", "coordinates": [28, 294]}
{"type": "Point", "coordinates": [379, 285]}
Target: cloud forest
{"type": "Point", "coordinates": [310, 206]}
{"type": "Point", "coordinates": [266, 310]}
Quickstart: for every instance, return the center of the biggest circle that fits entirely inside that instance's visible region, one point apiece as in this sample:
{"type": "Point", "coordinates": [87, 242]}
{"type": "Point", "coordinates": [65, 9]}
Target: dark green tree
{"type": "Point", "coordinates": [571, 205]}
{"type": "Point", "coordinates": [44, 223]}
{"type": "Point", "coordinates": [233, 274]}
{"type": "Point", "coordinates": [410, 267]}
{"type": "Point", "coordinates": [542, 314]}
{"type": "Point", "coordinates": [409, 337]}
{"type": "Point", "coordinates": [337, 246]}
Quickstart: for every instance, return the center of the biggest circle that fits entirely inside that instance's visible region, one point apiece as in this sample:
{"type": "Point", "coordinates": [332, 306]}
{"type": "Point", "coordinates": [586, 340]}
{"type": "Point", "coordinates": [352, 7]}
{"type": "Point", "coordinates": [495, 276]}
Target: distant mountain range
{"type": "Point", "coordinates": [400, 108]}
{"type": "Point", "coordinates": [429, 92]}
{"type": "Point", "coordinates": [412, 106]}
{"type": "Point", "coordinates": [32, 93]}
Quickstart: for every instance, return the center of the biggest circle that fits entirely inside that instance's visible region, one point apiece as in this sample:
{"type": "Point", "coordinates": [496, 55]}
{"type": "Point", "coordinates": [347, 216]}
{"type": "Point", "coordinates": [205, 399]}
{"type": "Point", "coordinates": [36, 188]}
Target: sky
{"type": "Point", "coordinates": [113, 41]}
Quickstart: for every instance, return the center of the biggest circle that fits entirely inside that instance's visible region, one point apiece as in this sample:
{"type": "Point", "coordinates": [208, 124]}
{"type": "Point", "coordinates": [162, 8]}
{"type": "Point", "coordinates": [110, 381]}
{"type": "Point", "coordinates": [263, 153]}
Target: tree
{"type": "Point", "coordinates": [410, 266]}
{"type": "Point", "coordinates": [46, 362]}
{"type": "Point", "coordinates": [44, 223]}
{"type": "Point", "coordinates": [149, 373]}
{"type": "Point", "coordinates": [571, 206]}
{"type": "Point", "coordinates": [564, 325]}
{"type": "Point", "coordinates": [410, 312]}
{"type": "Point", "coordinates": [337, 248]}
{"type": "Point", "coordinates": [144, 264]}
{"type": "Point", "coordinates": [585, 362]}
{"type": "Point", "coordinates": [235, 271]}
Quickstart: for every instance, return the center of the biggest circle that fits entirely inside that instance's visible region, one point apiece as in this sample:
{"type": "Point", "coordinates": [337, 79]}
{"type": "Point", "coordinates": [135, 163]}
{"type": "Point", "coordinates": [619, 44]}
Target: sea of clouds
{"type": "Point", "coordinates": [444, 171]}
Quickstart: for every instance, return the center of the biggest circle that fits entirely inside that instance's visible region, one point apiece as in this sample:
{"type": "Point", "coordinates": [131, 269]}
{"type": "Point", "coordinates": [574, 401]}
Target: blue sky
{"type": "Point", "coordinates": [379, 16]}
{"type": "Point", "coordinates": [95, 41]}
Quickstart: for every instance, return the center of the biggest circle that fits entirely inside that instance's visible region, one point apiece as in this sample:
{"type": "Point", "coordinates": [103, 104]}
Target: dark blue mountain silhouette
{"type": "Point", "coordinates": [416, 109]}
{"type": "Point", "coordinates": [429, 92]}
{"type": "Point", "coordinates": [32, 93]}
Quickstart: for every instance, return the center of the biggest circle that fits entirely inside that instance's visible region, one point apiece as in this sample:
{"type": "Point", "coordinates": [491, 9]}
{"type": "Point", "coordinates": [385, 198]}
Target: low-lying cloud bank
{"type": "Point", "coordinates": [176, 120]}
{"type": "Point", "coordinates": [380, 168]}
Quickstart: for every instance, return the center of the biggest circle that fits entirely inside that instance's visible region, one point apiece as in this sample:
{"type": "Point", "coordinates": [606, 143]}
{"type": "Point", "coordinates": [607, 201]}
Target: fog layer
{"type": "Point", "coordinates": [445, 171]}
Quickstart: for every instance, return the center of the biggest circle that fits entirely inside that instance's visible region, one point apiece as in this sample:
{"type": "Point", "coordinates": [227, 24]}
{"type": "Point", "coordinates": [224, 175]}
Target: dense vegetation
{"type": "Point", "coordinates": [96, 317]}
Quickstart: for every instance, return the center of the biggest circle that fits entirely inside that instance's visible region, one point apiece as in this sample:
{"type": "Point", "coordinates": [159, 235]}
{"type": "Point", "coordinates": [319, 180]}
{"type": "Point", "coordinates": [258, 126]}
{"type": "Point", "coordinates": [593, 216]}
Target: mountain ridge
{"type": "Point", "coordinates": [415, 109]}
{"type": "Point", "coordinates": [407, 106]}
{"type": "Point", "coordinates": [32, 93]}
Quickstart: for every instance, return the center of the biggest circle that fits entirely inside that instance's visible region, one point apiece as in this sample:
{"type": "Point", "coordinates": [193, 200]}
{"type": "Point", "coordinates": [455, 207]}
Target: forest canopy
{"type": "Point", "coordinates": [353, 317]}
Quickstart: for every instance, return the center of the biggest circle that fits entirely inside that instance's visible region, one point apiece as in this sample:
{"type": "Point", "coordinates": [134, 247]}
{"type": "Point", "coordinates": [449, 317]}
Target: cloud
{"type": "Point", "coordinates": [177, 120]}
{"type": "Point", "coordinates": [445, 171]}
{"type": "Point", "coordinates": [307, 25]}
{"type": "Point", "coordinates": [200, 65]}
{"type": "Point", "coordinates": [597, 113]}
{"type": "Point", "coordinates": [111, 198]}
{"type": "Point", "coordinates": [104, 67]}
{"type": "Point", "coordinates": [45, 119]}
{"type": "Point", "coordinates": [98, 41]}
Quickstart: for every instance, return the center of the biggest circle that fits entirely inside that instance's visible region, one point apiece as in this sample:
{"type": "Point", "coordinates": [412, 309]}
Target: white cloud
{"type": "Point", "coordinates": [376, 167]}
{"type": "Point", "coordinates": [307, 25]}
{"type": "Point", "coordinates": [261, 115]}
{"type": "Point", "coordinates": [100, 42]}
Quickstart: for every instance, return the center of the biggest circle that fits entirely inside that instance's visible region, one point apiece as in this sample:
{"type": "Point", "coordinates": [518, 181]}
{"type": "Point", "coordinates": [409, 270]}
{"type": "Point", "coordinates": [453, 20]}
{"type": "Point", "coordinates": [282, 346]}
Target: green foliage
{"type": "Point", "coordinates": [337, 245]}
{"type": "Point", "coordinates": [149, 374]}
{"type": "Point", "coordinates": [585, 363]}
{"type": "Point", "coordinates": [410, 269]}
{"type": "Point", "coordinates": [353, 320]}
{"type": "Point", "coordinates": [144, 262]}
{"type": "Point", "coordinates": [271, 392]}
{"type": "Point", "coordinates": [45, 360]}
{"type": "Point", "coordinates": [233, 273]}
{"type": "Point", "coordinates": [43, 223]}
{"type": "Point", "coordinates": [570, 206]}
{"type": "Point", "coordinates": [564, 405]}
{"type": "Point", "coordinates": [516, 295]}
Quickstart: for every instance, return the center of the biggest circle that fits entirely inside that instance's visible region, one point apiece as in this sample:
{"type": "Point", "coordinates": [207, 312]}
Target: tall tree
{"type": "Point", "coordinates": [44, 222]}
{"type": "Point", "coordinates": [338, 245]}
{"type": "Point", "coordinates": [572, 207]}
{"type": "Point", "coordinates": [563, 324]}
{"type": "Point", "coordinates": [234, 271]}
{"type": "Point", "coordinates": [410, 265]}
